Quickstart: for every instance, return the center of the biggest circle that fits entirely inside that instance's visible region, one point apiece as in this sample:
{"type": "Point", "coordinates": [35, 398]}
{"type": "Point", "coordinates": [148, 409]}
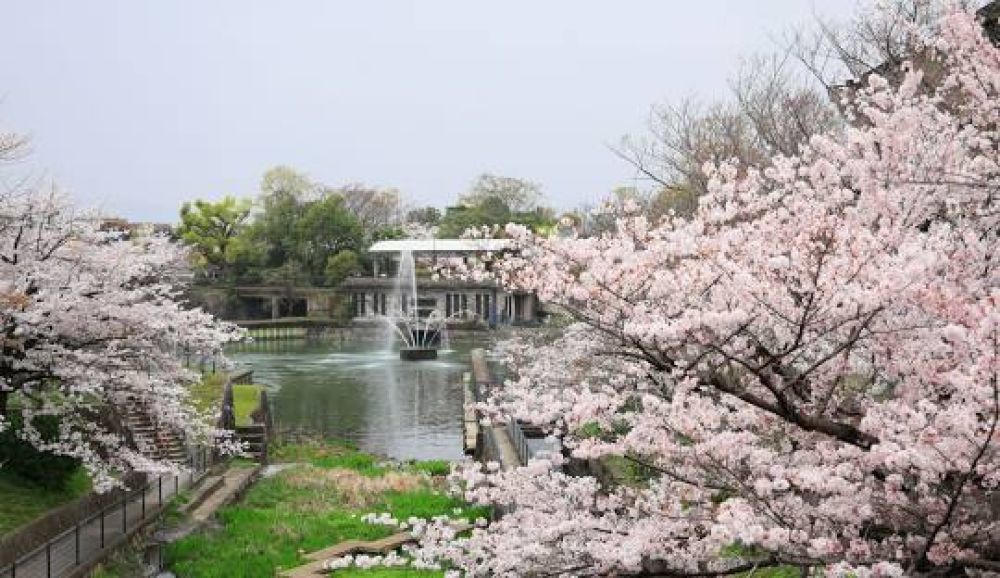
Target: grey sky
{"type": "Point", "coordinates": [137, 106]}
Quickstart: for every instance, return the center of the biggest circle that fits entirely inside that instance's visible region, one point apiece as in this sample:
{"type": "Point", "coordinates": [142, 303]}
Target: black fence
{"type": "Point", "coordinates": [90, 539]}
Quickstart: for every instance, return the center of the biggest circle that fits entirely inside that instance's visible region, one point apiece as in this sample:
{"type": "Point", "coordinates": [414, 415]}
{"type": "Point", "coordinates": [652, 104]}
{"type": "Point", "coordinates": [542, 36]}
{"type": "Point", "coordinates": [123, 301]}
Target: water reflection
{"type": "Point", "coordinates": [400, 409]}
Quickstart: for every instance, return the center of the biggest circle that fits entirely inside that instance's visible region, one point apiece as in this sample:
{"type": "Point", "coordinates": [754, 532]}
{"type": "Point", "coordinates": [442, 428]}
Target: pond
{"type": "Point", "coordinates": [363, 393]}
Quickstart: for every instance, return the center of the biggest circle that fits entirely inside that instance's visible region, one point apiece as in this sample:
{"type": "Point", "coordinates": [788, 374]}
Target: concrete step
{"type": "Point", "coordinates": [208, 486]}
{"type": "Point", "coordinates": [235, 480]}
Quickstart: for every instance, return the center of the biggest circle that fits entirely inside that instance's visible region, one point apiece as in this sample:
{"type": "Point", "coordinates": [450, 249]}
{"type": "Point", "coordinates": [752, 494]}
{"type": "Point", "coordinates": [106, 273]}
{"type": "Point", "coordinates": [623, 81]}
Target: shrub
{"type": "Point", "coordinates": [20, 458]}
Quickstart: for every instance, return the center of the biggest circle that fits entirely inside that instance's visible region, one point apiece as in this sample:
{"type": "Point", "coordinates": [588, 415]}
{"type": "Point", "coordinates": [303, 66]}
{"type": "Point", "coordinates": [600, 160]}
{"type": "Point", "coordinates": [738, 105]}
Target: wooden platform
{"type": "Point", "coordinates": [381, 546]}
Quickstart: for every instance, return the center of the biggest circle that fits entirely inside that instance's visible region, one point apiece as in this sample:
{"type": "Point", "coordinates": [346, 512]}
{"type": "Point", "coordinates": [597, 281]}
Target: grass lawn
{"type": "Point", "coordinates": [22, 501]}
{"type": "Point", "coordinates": [207, 397]}
{"type": "Point", "coordinates": [308, 507]}
{"type": "Point", "coordinates": [246, 399]}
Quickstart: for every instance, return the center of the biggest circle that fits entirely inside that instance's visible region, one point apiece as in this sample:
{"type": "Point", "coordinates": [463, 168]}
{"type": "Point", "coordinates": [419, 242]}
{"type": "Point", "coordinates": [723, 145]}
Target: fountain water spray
{"type": "Point", "coordinates": [420, 335]}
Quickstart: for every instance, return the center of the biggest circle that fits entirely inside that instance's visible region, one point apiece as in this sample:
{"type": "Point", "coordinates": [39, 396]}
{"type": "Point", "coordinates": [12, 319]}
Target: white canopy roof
{"type": "Point", "coordinates": [439, 245]}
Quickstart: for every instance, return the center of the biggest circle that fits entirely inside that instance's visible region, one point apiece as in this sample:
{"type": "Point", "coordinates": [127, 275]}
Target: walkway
{"type": "Point", "coordinates": [81, 546]}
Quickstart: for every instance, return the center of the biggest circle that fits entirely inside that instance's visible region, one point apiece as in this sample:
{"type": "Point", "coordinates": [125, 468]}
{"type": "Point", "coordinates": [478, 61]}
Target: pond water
{"type": "Point", "coordinates": [364, 393]}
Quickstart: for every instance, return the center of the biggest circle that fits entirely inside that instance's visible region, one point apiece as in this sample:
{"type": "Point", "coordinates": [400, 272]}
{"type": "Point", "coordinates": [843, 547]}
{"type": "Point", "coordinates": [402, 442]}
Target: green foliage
{"type": "Point", "coordinates": [210, 229]}
{"type": "Point", "coordinates": [325, 228]}
{"type": "Point", "coordinates": [341, 266]}
{"type": "Point", "coordinates": [299, 228]}
{"type": "Point", "coordinates": [495, 201]}
{"type": "Point", "coordinates": [289, 274]}
{"type": "Point", "coordinates": [432, 467]}
{"type": "Point", "coordinates": [629, 472]}
{"type": "Point", "coordinates": [20, 458]}
{"type": "Point", "coordinates": [516, 194]}
{"type": "Point", "coordinates": [738, 550]}
{"type": "Point", "coordinates": [678, 200]}
{"type": "Point", "coordinates": [590, 430]}
{"type": "Point", "coordinates": [22, 500]}
{"type": "Point", "coordinates": [386, 234]}
{"type": "Point", "coordinates": [429, 216]}
{"type": "Point", "coordinates": [492, 212]}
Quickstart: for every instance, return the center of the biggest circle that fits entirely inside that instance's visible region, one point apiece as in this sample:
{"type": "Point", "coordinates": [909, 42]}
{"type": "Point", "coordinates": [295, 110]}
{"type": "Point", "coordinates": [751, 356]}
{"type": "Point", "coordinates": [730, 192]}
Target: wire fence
{"type": "Point", "coordinates": [91, 538]}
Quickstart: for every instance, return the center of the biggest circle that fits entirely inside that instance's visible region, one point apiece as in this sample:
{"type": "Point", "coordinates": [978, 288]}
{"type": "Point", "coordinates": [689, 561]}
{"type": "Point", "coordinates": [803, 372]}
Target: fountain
{"type": "Point", "coordinates": [420, 328]}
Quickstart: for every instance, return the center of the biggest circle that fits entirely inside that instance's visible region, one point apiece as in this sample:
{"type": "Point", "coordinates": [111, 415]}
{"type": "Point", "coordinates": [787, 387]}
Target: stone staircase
{"type": "Point", "coordinates": [255, 438]}
{"type": "Point", "coordinates": [154, 441]}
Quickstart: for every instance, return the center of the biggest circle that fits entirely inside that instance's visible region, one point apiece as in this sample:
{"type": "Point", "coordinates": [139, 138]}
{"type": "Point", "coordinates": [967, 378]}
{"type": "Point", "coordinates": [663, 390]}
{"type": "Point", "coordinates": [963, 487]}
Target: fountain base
{"type": "Point", "coordinates": [417, 353]}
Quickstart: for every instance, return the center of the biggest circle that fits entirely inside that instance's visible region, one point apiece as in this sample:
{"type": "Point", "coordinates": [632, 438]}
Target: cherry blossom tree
{"type": "Point", "coordinates": [805, 370]}
{"type": "Point", "coordinates": [92, 327]}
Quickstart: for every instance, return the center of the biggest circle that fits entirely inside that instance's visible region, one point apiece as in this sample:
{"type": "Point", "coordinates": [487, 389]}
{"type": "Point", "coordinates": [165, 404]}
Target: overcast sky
{"type": "Point", "coordinates": [137, 106]}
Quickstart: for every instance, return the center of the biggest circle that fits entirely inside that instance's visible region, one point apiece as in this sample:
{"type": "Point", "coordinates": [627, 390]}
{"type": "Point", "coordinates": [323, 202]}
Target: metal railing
{"type": "Point", "coordinates": [93, 537]}
{"type": "Point", "coordinates": [520, 442]}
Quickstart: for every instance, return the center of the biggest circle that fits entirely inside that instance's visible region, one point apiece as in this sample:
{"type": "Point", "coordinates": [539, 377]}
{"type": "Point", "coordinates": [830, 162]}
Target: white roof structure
{"type": "Point", "coordinates": [440, 245]}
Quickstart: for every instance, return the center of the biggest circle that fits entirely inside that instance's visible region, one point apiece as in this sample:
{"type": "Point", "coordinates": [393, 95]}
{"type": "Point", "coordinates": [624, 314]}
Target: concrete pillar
{"type": "Point", "coordinates": [529, 307]}
{"type": "Point", "coordinates": [275, 312]}
{"type": "Point", "coordinates": [493, 308]}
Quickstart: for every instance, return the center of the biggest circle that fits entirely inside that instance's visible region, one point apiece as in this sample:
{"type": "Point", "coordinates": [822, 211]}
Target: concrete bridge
{"type": "Point", "coordinates": [266, 301]}
{"type": "Point", "coordinates": [290, 301]}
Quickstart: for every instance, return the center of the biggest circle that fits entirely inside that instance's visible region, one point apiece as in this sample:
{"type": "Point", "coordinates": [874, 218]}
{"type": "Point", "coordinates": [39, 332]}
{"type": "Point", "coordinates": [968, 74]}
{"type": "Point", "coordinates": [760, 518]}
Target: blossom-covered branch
{"type": "Point", "coordinates": [805, 369]}
{"type": "Point", "coordinates": [92, 326]}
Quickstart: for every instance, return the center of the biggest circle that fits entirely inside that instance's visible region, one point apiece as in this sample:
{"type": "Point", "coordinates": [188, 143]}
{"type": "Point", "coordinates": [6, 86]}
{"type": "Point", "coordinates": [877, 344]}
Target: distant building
{"type": "Point", "coordinates": [133, 230]}
{"type": "Point", "coordinates": [454, 299]}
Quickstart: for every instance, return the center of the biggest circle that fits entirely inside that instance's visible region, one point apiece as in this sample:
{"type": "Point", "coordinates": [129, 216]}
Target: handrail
{"type": "Point", "coordinates": [41, 557]}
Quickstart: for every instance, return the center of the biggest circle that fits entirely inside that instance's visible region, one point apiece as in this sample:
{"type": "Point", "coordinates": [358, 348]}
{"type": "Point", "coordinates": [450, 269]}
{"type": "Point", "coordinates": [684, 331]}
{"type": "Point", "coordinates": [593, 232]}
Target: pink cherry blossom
{"type": "Point", "coordinates": [803, 373]}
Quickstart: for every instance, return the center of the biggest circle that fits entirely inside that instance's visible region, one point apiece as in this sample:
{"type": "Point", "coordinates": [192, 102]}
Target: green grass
{"type": "Point", "coordinates": [206, 396]}
{"type": "Point", "coordinates": [329, 455]}
{"type": "Point", "coordinates": [22, 501]}
{"type": "Point", "coordinates": [343, 455]}
{"type": "Point", "coordinates": [246, 399]}
{"type": "Point", "coordinates": [310, 507]}
{"type": "Point", "coordinates": [432, 467]}
{"type": "Point", "coordinates": [122, 563]}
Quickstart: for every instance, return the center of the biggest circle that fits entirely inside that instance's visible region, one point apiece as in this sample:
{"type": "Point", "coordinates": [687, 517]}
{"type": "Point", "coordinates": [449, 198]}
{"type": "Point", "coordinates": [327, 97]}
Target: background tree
{"type": "Point", "coordinates": [326, 227]}
{"type": "Point", "coordinates": [284, 181]}
{"type": "Point", "coordinates": [341, 266]}
{"type": "Point", "coordinates": [377, 210]}
{"type": "Point", "coordinates": [494, 201]}
{"type": "Point", "coordinates": [299, 224]}
{"type": "Point", "coordinates": [488, 211]}
{"type": "Point", "coordinates": [284, 193]}
{"type": "Point", "coordinates": [518, 195]}
{"type": "Point", "coordinates": [427, 216]}
{"type": "Point", "coordinates": [771, 111]}
{"type": "Point", "coordinates": [210, 228]}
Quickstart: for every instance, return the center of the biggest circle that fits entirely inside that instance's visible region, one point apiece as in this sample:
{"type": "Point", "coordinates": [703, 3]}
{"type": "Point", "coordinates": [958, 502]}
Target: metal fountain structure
{"type": "Point", "coordinates": [420, 332]}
